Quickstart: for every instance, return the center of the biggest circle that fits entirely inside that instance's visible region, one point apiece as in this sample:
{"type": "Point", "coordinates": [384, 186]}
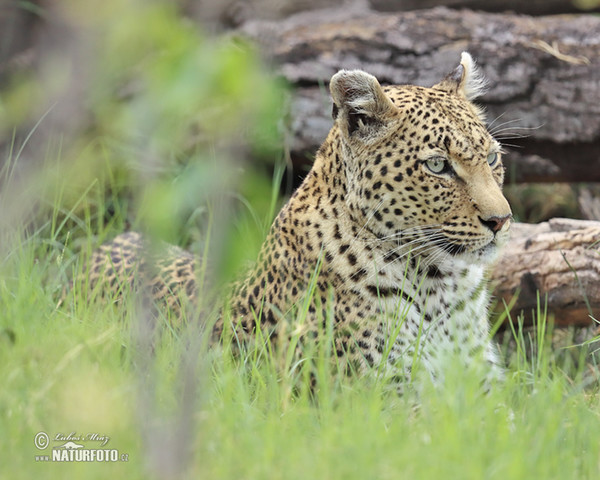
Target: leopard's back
{"type": "Point", "coordinates": [166, 274]}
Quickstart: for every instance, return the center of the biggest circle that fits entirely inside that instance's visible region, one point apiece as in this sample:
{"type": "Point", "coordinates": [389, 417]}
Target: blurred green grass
{"type": "Point", "coordinates": [159, 139]}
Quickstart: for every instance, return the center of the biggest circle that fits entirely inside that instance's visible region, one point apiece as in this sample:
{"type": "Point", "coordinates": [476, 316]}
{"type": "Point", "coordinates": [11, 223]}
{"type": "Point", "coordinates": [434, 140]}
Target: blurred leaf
{"type": "Point", "coordinates": [158, 105]}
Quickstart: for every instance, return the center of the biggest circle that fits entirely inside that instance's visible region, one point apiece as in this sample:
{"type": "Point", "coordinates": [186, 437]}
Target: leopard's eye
{"type": "Point", "coordinates": [437, 165]}
{"type": "Point", "coordinates": [492, 159]}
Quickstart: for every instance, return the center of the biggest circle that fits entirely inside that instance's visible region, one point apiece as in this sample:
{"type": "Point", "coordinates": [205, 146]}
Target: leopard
{"type": "Point", "coordinates": [387, 242]}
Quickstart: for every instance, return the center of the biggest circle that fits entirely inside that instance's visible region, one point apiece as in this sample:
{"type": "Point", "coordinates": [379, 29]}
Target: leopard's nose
{"type": "Point", "coordinates": [494, 223]}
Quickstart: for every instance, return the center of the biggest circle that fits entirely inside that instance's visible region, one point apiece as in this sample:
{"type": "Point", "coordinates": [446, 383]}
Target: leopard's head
{"type": "Point", "coordinates": [420, 164]}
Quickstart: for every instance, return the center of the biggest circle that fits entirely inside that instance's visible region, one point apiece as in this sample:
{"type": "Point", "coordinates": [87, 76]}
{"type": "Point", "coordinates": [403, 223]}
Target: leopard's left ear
{"type": "Point", "coordinates": [465, 80]}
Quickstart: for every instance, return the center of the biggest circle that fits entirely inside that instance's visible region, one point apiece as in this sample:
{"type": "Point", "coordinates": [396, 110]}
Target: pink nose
{"type": "Point", "coordinates": [494, 223]}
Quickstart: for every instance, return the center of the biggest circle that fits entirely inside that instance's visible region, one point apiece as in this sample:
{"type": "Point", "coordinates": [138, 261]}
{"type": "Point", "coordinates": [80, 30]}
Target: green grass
{"type": "Point", "coordinates": [178, 409]}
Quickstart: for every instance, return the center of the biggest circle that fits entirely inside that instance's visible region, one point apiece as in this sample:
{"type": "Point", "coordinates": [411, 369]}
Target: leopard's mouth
{"type": "Point", "coordinates": [456, 249]}
{"type": "Point", "coordinates": [453, 248]}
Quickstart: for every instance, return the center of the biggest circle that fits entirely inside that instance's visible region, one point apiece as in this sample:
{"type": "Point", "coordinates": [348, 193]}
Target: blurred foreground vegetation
{"type": "Point", "coordinates": [133, 118]}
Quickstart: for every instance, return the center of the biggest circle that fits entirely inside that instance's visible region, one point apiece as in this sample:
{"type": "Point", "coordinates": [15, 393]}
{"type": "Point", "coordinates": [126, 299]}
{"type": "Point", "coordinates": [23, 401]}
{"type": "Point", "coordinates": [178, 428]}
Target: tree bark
{"type": "Point", "coordinates": [560, 259]}
{"type": "Point", "coordinates": [543, 72]}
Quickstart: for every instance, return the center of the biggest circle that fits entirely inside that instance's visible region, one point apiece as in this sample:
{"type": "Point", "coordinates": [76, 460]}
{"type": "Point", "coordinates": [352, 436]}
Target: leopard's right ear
{"type": "Point", "coordinates": [359, 104]}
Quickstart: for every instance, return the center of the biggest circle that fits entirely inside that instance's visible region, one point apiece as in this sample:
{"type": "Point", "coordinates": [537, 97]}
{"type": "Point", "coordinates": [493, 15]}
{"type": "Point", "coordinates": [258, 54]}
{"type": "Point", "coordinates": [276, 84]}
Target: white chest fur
{"type": "Point", "coordinates": [439, 321]}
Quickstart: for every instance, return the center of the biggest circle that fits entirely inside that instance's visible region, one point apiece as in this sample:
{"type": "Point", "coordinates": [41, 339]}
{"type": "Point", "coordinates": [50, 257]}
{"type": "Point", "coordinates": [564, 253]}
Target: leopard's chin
{"type": "Point", "coordinates": [487, 254]}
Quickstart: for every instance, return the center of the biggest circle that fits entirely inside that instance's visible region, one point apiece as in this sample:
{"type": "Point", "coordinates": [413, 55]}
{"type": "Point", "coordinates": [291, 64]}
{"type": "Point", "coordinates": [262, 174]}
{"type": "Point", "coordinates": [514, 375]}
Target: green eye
{"type": "Point", "coordinates": [492, 158]}
{"type": "Point", "coordinates": [437, 165]}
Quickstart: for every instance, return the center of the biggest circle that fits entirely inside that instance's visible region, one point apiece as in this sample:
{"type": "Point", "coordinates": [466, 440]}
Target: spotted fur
{"type": "Point", "coordinates": [169, 274]}
{"type": "Point", "coordinates": [393, 228]}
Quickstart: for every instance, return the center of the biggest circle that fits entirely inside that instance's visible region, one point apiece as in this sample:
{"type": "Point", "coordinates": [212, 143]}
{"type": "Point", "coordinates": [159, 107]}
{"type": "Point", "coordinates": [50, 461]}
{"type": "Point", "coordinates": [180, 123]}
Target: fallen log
{"type": "Point", "coordinates": [544, 75]}
{"type": "Point", "coordinates": [558, 260]}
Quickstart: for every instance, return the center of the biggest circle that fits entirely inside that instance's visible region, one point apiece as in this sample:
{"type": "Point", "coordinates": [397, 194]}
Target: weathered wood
{"type": "Point", "coordinates": [544, 75]}
{"type": "Point", "coordinates": [561, 260]}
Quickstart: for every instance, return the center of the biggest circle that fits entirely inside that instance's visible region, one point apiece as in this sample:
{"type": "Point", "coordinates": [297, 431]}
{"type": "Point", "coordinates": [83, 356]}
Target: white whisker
{"type": "Point", "coordinates": [424, 241]}
{"type": "Point", "coordinates": [408, 232]}
{"type": "Point", "coordinates": [517, 132]}
{"type": "Point", "coordinates": [512, 145]}
{"type": "Point", "coordinates": [491, 124]}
